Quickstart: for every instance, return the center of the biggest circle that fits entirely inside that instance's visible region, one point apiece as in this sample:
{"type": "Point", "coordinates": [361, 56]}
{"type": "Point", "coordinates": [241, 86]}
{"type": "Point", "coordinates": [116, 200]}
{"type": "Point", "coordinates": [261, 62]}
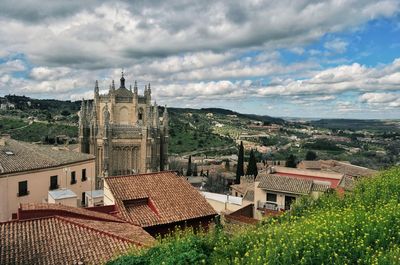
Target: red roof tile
{"type": "Point", "coordinates": [54, 240]}
{"type": "Point", "coordinates": [157, 198]}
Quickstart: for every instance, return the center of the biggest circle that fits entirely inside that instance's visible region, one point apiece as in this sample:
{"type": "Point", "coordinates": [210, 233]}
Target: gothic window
{"type": "Point", "coordinates": [140, 116]}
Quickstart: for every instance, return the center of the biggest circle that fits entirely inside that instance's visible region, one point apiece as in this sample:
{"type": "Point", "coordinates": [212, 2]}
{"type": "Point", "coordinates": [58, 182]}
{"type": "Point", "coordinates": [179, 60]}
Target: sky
{"type": "Point", "coordinates": [299, 58]}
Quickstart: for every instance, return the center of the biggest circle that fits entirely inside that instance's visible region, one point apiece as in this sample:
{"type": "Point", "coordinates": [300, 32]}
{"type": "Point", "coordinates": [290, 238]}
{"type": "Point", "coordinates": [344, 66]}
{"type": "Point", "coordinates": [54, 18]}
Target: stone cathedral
{"type": "Point", "coordinates": [124, 131]}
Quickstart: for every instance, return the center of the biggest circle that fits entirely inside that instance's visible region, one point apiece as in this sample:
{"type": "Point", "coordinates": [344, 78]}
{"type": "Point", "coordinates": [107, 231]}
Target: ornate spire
{"type": "Point", "coordinates": [149, 89]}
{"type": "Point", "coordinates": [96, 88]}
{"type": "Point", "coordinates": [165, 116]}
{"type": "Point", "coordinates": [113, 85]}
{"type": "Point", "coordinates": [122, 79]}
{"type": "Point", "coordinates": [130, 88]}
{"type": "Point", "coordinates": [135, 90]}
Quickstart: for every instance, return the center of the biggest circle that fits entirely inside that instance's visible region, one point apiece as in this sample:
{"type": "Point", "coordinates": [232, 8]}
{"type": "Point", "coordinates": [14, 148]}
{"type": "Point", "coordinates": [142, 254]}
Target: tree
{"type": "Point", "coordinates": [65, 113]}
{"type": "Point", "coordinates": [311, 155]}
{"type": "Point", "coordinates": [189, 167]}
{"type": "Point", "coordinates": [291, 161]}
{"type": "Point", "coordinates": [252, 166]}
{"type": "Point", "coordinates": [195, 170]}
{"type": "Point", "coordinates": [201, 173]}
{"type": "Point", "coordinates": [240, 164]}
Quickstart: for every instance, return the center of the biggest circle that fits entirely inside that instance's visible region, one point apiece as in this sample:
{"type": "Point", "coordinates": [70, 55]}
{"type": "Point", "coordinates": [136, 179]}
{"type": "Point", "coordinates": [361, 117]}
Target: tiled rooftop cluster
{"type": "Point", "coordinates": [157, 198]}
{"type": "Point", "coordinates": [65, 235]}
{"type": "Point", "coordinates": [17, 156]}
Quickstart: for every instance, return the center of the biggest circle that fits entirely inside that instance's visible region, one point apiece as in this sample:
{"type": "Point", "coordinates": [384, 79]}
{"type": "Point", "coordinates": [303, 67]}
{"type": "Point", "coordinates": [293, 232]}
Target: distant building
{"type": "Point", "coordinates": [158, 202]}
{"type": "Point", "coordinates": [28, 172]}
{"type": "Point", "coordinates": [342, 167]}
{"type": "Point", "coordinates": [123, 130]}
{"type": "Point", "coordinates": [275, 189]}
{"type": "Point", "coordinates": [57, 234]}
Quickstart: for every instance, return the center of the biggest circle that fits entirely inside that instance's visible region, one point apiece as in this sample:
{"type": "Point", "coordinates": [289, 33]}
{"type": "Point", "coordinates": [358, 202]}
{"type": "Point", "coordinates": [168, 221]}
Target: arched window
{"type": "Point", "coordinates": [140, 114]}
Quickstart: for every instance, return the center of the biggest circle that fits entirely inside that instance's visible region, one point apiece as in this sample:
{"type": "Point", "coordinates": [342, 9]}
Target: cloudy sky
{"type": "Point", "coordinates": [299, 58]}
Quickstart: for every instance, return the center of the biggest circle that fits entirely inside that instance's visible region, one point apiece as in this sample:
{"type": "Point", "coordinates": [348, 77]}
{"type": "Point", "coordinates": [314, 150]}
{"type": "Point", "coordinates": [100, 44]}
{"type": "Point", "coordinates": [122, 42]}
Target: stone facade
{"type": "Point", "coordinates": [123, 130]}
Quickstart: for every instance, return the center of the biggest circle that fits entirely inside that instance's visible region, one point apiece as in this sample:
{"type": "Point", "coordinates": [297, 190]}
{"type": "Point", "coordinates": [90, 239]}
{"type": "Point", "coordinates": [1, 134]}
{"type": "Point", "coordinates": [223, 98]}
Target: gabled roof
{"type": "Point", "coordinates": [17, 156]}
{"type": "Point", "coordinates": [285, 184]}
{"type": "Point", "coordinates": [157, 198]}
{"type": "Point", "coordinates": [61, 235]}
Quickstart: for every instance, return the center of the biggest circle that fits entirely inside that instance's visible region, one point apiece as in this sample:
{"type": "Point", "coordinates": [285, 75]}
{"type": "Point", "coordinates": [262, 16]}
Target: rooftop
{"type": "Point", "coordinates": [17, 156]}
{"type": "Point", "coordinates": [157, 198]}
{"type": "Point", "coordinates": [59, 238]}
{"type": "Point", "coordinates": [291, 185]}
{"type": "Point", "coordinates": [62, 194]}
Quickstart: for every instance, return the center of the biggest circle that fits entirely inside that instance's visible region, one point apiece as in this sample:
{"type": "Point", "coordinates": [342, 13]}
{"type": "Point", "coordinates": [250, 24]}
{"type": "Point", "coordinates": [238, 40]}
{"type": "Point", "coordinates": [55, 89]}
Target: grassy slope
{"type": "Point", "coordinates": [361, 228]}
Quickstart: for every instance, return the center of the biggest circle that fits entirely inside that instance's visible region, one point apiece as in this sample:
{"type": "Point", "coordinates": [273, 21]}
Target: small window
{"type": "Point", "coordinates": [53, 183]}
{"type": "Point", "coordinates": [73, 177]}
{"type": "Point", "coordinates": [84, 174]}
{"type": "Point", "coordinates": [23, 188]}
{"type": "Point", "coordinates": [271, 197]}
{"type": "Point", "coordinates": [83, 201]}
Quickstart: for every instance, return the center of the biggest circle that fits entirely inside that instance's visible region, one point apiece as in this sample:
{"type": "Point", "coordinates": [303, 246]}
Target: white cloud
{"type": "Point", "coordinates": [339, 79]}
{"type": "Point", "coordinates": [336, 45]}
{"type": "Point", "coordinates": [383, 99]}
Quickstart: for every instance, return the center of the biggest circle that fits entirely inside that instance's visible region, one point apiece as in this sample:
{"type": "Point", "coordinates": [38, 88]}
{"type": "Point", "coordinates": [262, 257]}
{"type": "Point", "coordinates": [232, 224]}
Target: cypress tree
{"type": "Point", "coordinates": [195, 170]}
{"type": "Point", "coordinates": [189, 168]}
{"type": "Point", "coordinates": [240, 167]}
{"type": "Point", "coordinates": [252, 166]}
{"type": "Point", "coordinates": [291, 161]}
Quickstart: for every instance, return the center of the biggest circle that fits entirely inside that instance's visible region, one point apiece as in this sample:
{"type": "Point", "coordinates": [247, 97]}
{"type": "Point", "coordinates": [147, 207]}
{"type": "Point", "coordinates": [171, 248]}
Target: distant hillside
{"type": "Point", "coordinates": [354, 124]}
{"type": "Point", "coordinates": [263, 118]}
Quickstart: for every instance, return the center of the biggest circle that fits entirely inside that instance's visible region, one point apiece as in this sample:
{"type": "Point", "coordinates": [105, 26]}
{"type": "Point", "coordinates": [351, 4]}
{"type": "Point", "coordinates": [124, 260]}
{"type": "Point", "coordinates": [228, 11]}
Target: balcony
{"type": "Point", "coordinates": [270, 206]}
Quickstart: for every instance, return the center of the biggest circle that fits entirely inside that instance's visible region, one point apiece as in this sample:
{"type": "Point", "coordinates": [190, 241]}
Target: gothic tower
{"type": "Point", "coordinates": [123, 130]}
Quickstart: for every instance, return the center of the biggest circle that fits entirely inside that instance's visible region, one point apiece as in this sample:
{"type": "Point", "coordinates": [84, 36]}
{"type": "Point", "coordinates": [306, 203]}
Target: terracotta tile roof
{"type": "Point", "coordinates": [127, 231]}
{"type": "Point", "coordinates": [46, 209]}
{"type": "Point", "coordinates": [285, 184]}
{"type": "Point", "coordinates": [157, 198]}
{"type": "Point", "coordinates": [55, 240]}
{"type": "Point", "coordinates": [60, 234]}
{"type": "Point", "coordinates": [321, 187]}
{"type": "Point", "coordinates": [17, 156]}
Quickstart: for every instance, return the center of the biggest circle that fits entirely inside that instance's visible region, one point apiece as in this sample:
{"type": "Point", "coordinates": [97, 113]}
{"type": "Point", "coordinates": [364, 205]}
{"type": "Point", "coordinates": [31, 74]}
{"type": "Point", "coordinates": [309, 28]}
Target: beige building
{"type": "Point", "coordinates": [28, 172]}
{"type": "Point", "coordinates": [123, 130]}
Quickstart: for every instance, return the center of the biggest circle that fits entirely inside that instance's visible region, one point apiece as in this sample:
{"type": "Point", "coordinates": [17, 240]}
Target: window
{"type": "Point", "coordinates": [53, 182]}
{"type": "Point", "coordinates": [83, 201]}
{"type": "Point", "coordinates": [23, 188]}
{"type": "Point", "coordinates": [84, 174]}
{"type": "Point", "coordinates": [73, 177]}
{"type": "Point", "coordinates": [271, 197]}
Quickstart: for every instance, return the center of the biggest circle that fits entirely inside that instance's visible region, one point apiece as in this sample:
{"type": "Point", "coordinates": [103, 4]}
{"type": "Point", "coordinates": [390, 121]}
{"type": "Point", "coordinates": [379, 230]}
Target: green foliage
{"type": "Point", "coordinates": [240, 164]}
{"type": "Point", "coordinates": [362, 227]}
{"type": "Point", "coordinates": [252, 166]}
{"type": "Point", "coordinates": [291, 161]}
{"type": "Point", "coordinates": [193, 133]}
{"type": "Point", "coordinates": [311, 155]}
{"type": "Point", "coordinates": [323, 145]}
